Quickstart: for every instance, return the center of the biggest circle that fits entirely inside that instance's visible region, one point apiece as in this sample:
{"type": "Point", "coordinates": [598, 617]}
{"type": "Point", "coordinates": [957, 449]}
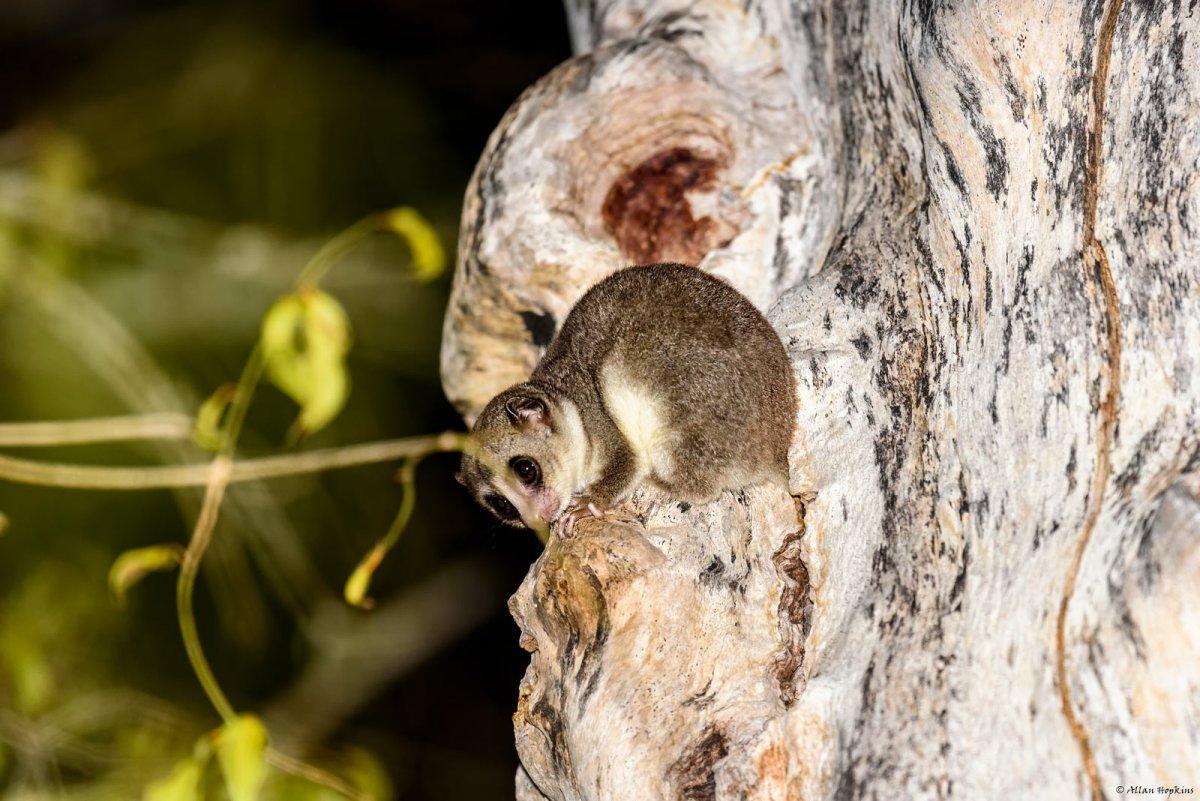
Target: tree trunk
{"type": "Point", "coordinates": [975, 228]}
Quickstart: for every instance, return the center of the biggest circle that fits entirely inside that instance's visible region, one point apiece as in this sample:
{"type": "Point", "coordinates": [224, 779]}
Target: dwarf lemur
{"type": "Point", "coordinates": [660, 373]}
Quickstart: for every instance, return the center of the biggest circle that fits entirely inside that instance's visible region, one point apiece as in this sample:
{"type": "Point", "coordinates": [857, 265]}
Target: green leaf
{"type": "Point", "coordinates": [63, 168]}
{"type": "Point", "coordinates": [132, 566]}
{"type": "Point", "coordinates": [428, 256]}
{"type": "Point", "coordinates": [63, 162]}
{"type": "Point", "coordinates": [305, 338]}
{"type": "Point", "coordinates": [365, 772]}
{"type": "Point", "coordinates": [358, 768]}
{"type": "Point", "coordinates": [241, 752]}
{"type": "Point", "coordinates": [355, 590]}
{"type": "Point", "coordinates": [182, 784]}
{"type": "Point", "coordinates": [33, 680]}
{"type": "Point", "coordinates": [207, 433]}
{"type": "Point", "coordinates": [280, 330]}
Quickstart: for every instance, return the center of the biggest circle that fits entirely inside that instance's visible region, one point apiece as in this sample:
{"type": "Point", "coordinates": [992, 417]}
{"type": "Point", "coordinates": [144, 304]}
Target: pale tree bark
{"type": "Point", "coordinates": [975, 227]}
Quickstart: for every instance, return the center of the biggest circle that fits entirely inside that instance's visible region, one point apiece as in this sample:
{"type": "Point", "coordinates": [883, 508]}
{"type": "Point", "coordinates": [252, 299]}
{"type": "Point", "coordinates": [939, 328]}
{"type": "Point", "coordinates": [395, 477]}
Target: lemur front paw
{"type": "Point", "coordinates": [578, 509]}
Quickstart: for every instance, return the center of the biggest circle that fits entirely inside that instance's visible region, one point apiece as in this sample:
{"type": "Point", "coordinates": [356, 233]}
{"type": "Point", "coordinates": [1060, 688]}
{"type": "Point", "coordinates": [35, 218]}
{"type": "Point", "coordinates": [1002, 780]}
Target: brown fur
{"type": "Point", "coordinates": [715, 362]}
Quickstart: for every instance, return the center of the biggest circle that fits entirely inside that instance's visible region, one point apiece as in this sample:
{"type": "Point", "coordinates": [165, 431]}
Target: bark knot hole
{"type": "Point", "coordinates": [648, 212]}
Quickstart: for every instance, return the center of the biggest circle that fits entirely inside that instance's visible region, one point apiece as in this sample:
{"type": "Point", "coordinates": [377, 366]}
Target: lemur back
{"type": "Point", "coordinates": [661, 373]}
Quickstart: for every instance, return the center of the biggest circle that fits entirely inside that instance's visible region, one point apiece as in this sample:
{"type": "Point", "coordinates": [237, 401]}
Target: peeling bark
{"type": "Point", "coordinates": [974, 227]}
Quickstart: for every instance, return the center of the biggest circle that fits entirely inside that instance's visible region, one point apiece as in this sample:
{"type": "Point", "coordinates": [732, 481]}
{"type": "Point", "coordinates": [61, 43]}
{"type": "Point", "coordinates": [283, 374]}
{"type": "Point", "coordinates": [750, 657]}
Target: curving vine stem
{"type": "Point", "coordinates": [975, 227]}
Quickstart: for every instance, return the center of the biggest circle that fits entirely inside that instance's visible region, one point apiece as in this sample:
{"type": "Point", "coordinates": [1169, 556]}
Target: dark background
{"type": "Point", "coordinates": [289, 119]}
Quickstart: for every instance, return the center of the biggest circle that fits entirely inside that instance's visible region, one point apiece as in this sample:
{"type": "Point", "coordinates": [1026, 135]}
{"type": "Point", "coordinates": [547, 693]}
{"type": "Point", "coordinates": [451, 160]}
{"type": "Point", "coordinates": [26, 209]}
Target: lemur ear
{"type": "Point", "coordinates": [524, 410]}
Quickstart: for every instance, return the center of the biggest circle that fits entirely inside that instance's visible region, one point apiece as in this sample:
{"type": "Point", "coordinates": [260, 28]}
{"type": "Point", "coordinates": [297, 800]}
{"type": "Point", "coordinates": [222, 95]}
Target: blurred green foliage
{"type": "Point", "coordinates": [152, 209]}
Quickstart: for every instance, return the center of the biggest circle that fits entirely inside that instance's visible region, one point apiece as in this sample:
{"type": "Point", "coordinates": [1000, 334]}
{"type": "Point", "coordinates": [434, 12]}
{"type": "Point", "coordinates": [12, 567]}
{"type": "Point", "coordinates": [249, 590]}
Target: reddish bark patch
{"type": "Point", "coordinates": [795, 611]}
{"type": "Point", "coordinates": [648, 213]}
{"type": "Point", "coordinates": [772, 768]}
{"type": "Point", "coordinates": [693, 775]}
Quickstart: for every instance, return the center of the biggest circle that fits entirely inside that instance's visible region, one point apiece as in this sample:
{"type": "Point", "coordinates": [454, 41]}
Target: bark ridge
{"type": "Point", "coordinates": [974, 227]}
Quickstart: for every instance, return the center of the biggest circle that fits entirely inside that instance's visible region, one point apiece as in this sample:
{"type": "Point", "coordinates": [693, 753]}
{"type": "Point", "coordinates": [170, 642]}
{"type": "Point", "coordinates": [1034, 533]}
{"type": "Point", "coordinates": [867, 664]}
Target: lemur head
{"type": "Point", "coordinates": [531, 452]}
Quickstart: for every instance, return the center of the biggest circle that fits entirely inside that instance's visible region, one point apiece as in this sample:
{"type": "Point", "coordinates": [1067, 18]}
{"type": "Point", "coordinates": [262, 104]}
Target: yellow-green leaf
{"type": "Point", "coordinates": [326, 318]}
{"type": "Point", "coordinates": [331, 386]}
{"type": "Point", "coordinates": [207, 433]}
{"type": "Point", "coordinates": [64, 167]}
{"type": "Point", "coordinates": [182, 784]}
{"type": "Point", "coordinates": [364, 770]}
{"type": "Point", "coordinates": [241, 752]}
{"type": "Point", "coordinates": [132, 566]}
{"type": "Point", "coordinates": [33, 680]}
{"type": "Point", "coordinates": [3, 522]}
{"type": "Point", "coordinates": [428, 256]}
{"type": "Point", "coordinates": [358, 769]}
{"type": "Point", "coordinates": [305, 338]}
{"type": "Point", "coordinates": [280, 331]}
{"type": "Point", "coordinates": [356, 587]}
{"type": "Point", "coordinates": [63, 161]}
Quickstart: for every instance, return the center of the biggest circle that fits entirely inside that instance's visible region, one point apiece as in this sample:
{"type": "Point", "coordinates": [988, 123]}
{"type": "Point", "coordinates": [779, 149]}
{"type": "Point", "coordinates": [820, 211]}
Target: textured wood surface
{"type": "Point", "coordinates": [974, 226]}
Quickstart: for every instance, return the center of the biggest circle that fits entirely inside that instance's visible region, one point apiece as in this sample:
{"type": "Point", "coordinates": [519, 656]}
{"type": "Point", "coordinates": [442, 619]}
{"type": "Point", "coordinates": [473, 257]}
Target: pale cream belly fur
{"type": "Point", "coordinates": [640, 415]}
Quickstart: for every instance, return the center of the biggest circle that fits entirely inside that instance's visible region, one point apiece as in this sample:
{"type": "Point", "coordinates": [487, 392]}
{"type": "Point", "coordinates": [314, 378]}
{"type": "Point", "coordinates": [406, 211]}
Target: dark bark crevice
{"type": "Point", "coordinates": [1100, 282]}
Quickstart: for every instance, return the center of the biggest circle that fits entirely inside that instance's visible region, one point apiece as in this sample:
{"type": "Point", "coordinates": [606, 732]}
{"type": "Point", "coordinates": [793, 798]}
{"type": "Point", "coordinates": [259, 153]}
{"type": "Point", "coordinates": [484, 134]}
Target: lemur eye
{"type": "Point", "coordinates": [526, 469]}
{"type": "Point", "coordinates": [502, 507]}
